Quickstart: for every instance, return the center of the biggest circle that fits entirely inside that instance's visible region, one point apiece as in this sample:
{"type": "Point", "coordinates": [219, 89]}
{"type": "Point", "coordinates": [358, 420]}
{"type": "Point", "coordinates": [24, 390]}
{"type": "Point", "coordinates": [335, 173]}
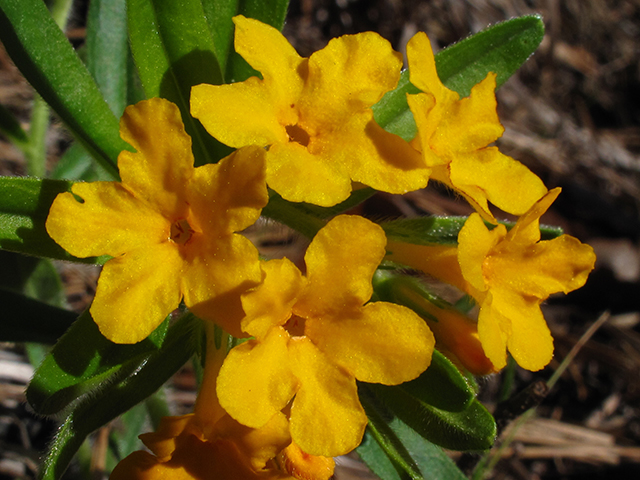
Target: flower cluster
{"type": "Point", "coordinates": [281, 402]}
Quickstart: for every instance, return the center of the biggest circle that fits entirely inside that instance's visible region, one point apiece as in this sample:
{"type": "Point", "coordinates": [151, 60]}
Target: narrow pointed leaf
{"type": "Point", "coordinates": [501, 48]}
{"type": "Point", "coordinates": [441, 386]}
{"type": "Point", "coordinates": [46, 58]}
{"type": "Point", "coordinates": [81, 362]}
{"type": "Point", "coordinates": [408, 454]}
{"type": "Point", "coordinates": [77, 164]}
{"type": "Point", "coordinates": [173, 50]}
{"type": "Point", "coordinates": [434, 230]}
{"type": "Point", "coordinates": [116, 398]}
{"type": "Point", "coordinates": [470, 429]}
{"type": "Point", "coordinates": [107, 49]}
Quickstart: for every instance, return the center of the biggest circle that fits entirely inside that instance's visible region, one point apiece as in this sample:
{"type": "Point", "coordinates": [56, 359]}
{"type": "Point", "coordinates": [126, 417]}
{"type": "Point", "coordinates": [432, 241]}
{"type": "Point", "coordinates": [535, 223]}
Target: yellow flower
{"type": "Point", "coordinates": [182, 451]}
{"type": "Point", "coordinates": [314, 337]}
{"type": "Point", "coordinates": [454, 134]}
{"type": "Point", "coordinates": [169, 226]}
{"type": "Point", "coordinates": [314, 114]}
{"type": "Point", "coordinates": [209, 444]}
{"type": "Point", "coordinates": [509, 273]}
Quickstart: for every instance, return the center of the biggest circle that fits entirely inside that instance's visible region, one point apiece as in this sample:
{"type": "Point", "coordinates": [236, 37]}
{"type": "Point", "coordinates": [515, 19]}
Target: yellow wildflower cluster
{"type": "Point", "coordinates": [281, 402]}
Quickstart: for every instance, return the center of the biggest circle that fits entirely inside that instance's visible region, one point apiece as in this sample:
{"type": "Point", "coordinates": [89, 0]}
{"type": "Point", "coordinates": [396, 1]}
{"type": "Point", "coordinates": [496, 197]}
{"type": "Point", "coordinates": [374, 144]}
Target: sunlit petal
{"type": "Point", "coordinates": [159, 171]}
{"type": "Point", "coordinates": [228, 196]}
{"type": "Point", "coordinates": [382, 343]}
{"type": "Point", "coordinates": [348, 76]}
{"type": "Point", "coordinates": [109, 220]}
{"type": "Point", "coordinates": [326, 416]}
{"type": "Point", "coordinates": [340, 263]}
{"type": "Point", "coordinates": [239, 114]}
{"type": "Point", "coordinates": [257, 370]}
{"type": "Point", "coordinates": [298, 175]}
{"type": "Point", "coordinates": [271, 304]}
{"type": "Point", "coordinates": [136, 291]}
{"type": "Point", "coordinates": [214, 276]}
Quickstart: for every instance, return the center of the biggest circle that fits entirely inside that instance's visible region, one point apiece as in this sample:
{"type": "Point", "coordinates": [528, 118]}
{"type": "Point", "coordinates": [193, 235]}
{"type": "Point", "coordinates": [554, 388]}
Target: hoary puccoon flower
{"type": "Point", "coordinates": [314, 336]}
{"type": "Point", "coordinates": [209, 444]}
{"type": "Point", "coordinates": [168, 226]}
{"type": "Point", "coordinates": [454, 135]}
{"type": "Point", "coordinates": [314, 115]}
{"type": "Point", "coordinates": [509, 273]}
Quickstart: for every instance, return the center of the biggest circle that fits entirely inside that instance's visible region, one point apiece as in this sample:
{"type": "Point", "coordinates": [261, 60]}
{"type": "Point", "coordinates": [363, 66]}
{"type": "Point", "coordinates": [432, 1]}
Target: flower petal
{"type": "Point", "coordinates": [493, 330]}
{"type": "Point", "coordinates": [216, 272]}
{"type": "Point", "coordinates": [269, 52]}
{"type": "Point", "coordinates": [227, 197]}
{"type": "Point", "coordinates": [526, 231]}
{"type": "Point", "coordinates": [487, 174]}
{"type": "Point", "coordinates": [259, 445]}
{"type": "Point", "coordinates": [538, 270]}
{"type": "Point", "coordinates": [326, 416]}
{"type": "Point", "coordinates": [438, 261]}
{"type": "Point", "coordinates": [383, 343]}
{"type": "Point", "coordinates": [304, 466]}
{"type": "Point", "coordinates": [255, 381]}
{"type": "Point", "coordinates": [239, 114]}
{"type": "Point", "coordinates": [423, 107]}
{"type": "Point", "coordinates": [108, 221]}
{"type": "Point", "coordinates": [300, 176]}
{"type": "Point", "coordinates": [422, 69]}
{"type": "Point", "coordinates": [136, 291]}
{"type": "Point", "coordinates": [270, 304]}
{"type": "Point", "coordinates": [469, 123]}
{"type": "Point", "coordinates": [162, 442]}
{"type": "Point", "coordinates": [346, 77]}
{"type": "Point", "coordinates": [341, 261]}
{"type": "Point", "coordinates": [528, 338]}
{"type": "Point", "coordinates": [159, 171]}
{"type": "Point", "coordinates": [475, 241]}
{"type": "Point", "coordinates": [371, 155]}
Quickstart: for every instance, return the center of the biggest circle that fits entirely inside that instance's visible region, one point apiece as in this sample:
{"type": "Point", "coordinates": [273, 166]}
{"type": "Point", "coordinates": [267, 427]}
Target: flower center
{"type": "Point", "coordinates": [298, 134]}
{"type": "Point", "coordinates": [181, 231]}
{"type": "Point", "coordinates": [295, 326]}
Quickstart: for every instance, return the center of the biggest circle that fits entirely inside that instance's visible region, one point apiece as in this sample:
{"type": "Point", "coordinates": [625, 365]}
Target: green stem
{"type": "Point", "coordinates": [36, 153]}
{"type": "Point", "coordinates": [60, 12]}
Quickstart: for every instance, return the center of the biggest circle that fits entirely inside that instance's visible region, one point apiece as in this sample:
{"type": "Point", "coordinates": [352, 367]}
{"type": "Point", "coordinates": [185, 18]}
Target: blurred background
{"type": "Point", "coordinates": [572, 115]}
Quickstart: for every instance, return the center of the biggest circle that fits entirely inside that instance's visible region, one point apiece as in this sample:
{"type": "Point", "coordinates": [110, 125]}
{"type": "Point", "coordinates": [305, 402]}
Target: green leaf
{"type": "Point", "coordinates": [107, 403]}
{"type": "Point", "coordinates": [108, 51]}
{"type": "Point", "coordinates": [46, 58]}
{"type": "Point", "coordinates": [173, 50]}
{"type": "Point", "coordinates": [77, 164]}
{"type": "Point", "coordinates": [27, 320]}
{"type": "Point", "coordinates": [441, 386]}
{"type": "Point", "coordinates": [393, 450]}
{"type": "Point", "coordinates": [434, 230]}
{"type": "Point", "coordinates": [425, 230]}
{"type": "Point", "coordinates": [470, 429]}
{"type": "Point", "coordinates": [272, 13]}
{"type": "Point", "coordinates": [24, 206]}
{"type": "Point", "coordinates": [371, 453]}
{"type": "Point", "coordinates": [81, 362]}
{"type": "Point", "coordinates": [501, 48]}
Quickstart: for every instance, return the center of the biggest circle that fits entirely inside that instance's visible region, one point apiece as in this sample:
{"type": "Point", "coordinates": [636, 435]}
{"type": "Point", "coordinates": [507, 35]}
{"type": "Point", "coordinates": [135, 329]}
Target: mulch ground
{"type": "Point", "coordinates": [572, 115]}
